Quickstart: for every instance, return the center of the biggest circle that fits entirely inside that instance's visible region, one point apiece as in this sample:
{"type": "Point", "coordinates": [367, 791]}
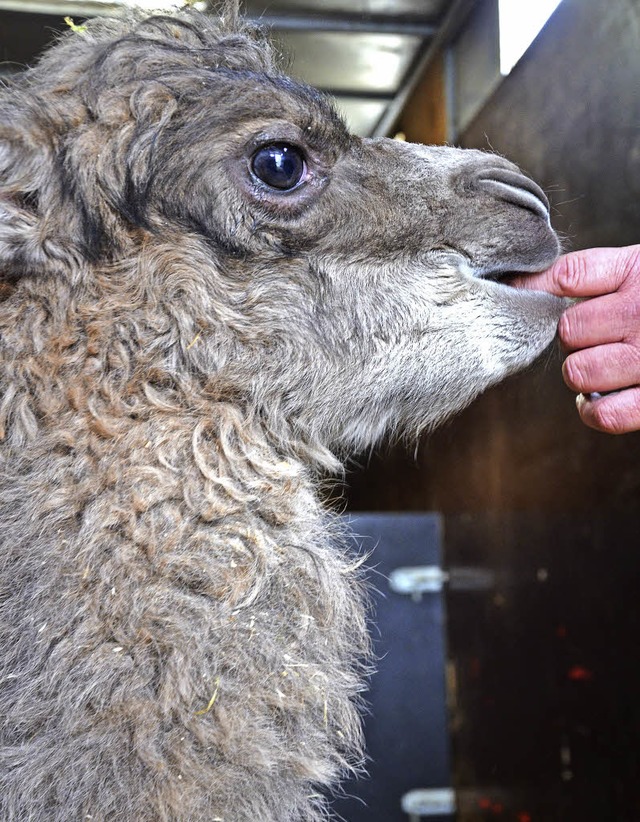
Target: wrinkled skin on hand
{"type": "Point", "coordinates": [600, 332]}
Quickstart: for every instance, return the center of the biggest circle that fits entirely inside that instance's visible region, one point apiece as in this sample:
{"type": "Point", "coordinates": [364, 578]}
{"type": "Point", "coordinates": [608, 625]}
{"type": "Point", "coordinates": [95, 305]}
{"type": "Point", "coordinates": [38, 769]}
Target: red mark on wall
{"type": "Point", "coordinates": [578, 673]}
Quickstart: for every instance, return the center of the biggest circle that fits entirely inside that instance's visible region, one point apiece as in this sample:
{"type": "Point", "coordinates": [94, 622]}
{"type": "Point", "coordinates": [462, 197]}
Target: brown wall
{"type": "Point", "coordinates": [424, 119]}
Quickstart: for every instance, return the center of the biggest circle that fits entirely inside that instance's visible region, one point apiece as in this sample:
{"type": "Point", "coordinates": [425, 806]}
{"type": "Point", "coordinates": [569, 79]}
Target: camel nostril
{"type": "Point", "coordinates": [515, 188]}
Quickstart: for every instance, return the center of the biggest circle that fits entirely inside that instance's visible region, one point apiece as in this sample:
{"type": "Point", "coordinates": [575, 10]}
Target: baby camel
{"type": "Point", "coordinates": [211, 294]}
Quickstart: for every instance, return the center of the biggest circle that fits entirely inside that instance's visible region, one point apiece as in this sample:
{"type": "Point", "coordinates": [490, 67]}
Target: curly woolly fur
{"type": "Point", "coordinates": [184, 353]}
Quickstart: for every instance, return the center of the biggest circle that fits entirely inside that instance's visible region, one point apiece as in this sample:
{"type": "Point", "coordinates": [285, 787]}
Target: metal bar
{"type": "Point", "coordinates": [365, 96]}
{"type": "Point", "coordinates": [448, 29]}
{"type": "Point", "coordinates": [450, 100]}
{"type": "Point", "coordinates": [348, 23]}
{"type": "Point", "coordinates": [335, 22]}
{"type": "Point", "coordinates": [81, 8]}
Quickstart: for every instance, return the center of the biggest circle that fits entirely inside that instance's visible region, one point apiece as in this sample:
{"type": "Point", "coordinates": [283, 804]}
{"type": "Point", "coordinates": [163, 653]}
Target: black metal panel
{"type": "Point", "coordinates": [547, 719]}
{"type": "Point", "coordinates": [406, 731]}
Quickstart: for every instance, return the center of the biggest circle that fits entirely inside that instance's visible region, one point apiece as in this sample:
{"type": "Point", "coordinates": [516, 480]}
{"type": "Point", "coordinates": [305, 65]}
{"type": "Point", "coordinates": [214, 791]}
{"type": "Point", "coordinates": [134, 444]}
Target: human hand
{"type": "Point", "coordinates": [600, 334]}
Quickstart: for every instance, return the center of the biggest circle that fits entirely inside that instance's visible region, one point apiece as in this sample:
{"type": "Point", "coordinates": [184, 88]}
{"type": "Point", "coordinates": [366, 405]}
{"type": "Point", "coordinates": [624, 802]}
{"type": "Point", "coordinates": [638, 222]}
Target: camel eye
{"type": "Point", "coordinates": [280, 166]}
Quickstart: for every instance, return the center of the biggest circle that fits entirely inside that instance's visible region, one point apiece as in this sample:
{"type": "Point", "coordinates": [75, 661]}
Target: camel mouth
{"type": "Point", "coordinates": [501, 277]}
{"type": "Point", "coordinates": [513, 278]}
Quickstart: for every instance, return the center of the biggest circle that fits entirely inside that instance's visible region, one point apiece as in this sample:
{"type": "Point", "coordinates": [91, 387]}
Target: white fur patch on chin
{"type": "Point", "coordinates": [491, 362]}
{"type": "Point", "coordinates": [363, 433]}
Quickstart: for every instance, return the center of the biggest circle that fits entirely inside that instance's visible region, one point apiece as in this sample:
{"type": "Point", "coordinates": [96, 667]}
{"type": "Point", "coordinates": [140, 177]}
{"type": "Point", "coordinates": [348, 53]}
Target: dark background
{"type": "Point", "coordinates": [546, 724]}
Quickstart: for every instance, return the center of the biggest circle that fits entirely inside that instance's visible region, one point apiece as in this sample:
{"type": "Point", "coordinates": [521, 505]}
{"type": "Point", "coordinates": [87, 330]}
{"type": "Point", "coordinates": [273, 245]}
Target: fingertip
{"type": "Point", "coordinates": [615, 413]}
{"type": "Point", "coordinates": [588, 272]}
{"type": "Point", "coordinates": [543, 281]}
{"type": "Point", "coordinates": [586, 405]}
{"type": "Point", "coordinates": [574, 374]}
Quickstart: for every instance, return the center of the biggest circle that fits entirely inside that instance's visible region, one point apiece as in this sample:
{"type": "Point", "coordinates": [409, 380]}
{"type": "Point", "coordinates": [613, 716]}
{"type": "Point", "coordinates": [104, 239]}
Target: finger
{"type": "Point", "coordinates": [607, 319]}
{"type": "Point", "coordinates": [603, 368]}
{"type": "Point", "coordinates": [614, 414]}
{"type": "Point", "coordinates": [586, 273]}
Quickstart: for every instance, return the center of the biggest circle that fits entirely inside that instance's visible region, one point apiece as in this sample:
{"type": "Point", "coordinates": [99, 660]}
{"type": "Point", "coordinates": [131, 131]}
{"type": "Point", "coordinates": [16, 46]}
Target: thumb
{"type": "Point", "coordinates": [586, 273]}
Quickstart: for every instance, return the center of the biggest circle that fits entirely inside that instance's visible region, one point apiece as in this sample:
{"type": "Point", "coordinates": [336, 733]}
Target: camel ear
{"type": "Point", "coordinates": [20, 251]}
{"type": "Point", "coordinates": [30, 208]}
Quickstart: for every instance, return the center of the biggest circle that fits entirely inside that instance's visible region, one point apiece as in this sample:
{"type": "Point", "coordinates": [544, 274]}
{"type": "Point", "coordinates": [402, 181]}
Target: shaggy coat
{"type": "Point", "coordinates": [193, 331]}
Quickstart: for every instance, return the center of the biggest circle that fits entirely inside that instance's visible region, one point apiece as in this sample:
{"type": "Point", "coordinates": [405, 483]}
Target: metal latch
{"type": "Point", "coordinates": [422, 579]}
{"type": "Point", "coordinates": [429, 802]}
{"type": "Point", "coordinates": [418, 580]}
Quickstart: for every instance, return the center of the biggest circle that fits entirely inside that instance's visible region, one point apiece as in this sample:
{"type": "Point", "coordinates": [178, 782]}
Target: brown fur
{"type": "Point", "coordinates": [183, 353]}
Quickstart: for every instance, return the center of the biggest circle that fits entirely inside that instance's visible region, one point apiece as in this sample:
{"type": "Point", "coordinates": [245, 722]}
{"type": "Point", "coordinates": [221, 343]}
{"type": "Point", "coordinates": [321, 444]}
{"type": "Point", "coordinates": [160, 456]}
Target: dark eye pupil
{"type": "Point", "coordinates": [280, 166]}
